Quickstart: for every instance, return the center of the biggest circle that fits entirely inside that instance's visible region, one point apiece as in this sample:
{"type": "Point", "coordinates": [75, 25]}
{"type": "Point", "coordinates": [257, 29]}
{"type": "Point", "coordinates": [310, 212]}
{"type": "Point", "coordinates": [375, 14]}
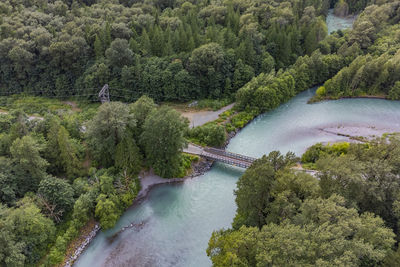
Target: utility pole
{"type": "Point", "coordinates": [104, 94]}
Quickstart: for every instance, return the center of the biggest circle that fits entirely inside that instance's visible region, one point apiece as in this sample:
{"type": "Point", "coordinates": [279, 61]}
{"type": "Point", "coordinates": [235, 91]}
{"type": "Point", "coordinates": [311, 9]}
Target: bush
{"type": "Point", "coordinates": [209, 134]}
{"type": "Point", "coordinates": [321, 91]}
{"type": "Point", "coordinates": [315, 152]}
{"type": "Point", "coordinates": [33, 104]}
{"type": "Point", "coordinates": [186, 164]}
{"type": "Point", "coordinates": [338, 148]}
{"type": "Point", "coordinates": [241, 119]}
{"type": "Point", "coordinates": [213, 104]}
{"type": "Point", "coordinates": [226, 114]}
{"type": "Point", "coordinates": [229, 127]}
{"type": "Point", "coordinates": [394, 93]}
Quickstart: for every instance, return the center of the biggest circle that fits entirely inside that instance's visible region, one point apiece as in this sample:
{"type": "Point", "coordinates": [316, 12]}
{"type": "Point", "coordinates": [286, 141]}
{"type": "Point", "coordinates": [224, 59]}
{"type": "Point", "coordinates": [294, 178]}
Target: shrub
{"type": "Point", "coordinates": [209, 134]}
{"type": "Point", "coordinates": [314, 153]}
{"type": "Point", "coordinates": [394, 92]}
{"type": "Point", "coordinates": [186, 164]}
{"type": "Point", "coordinates": [321, 91]}
{"type": "Point", "coordinates": [242, 118]}
{"type": "Point", "coordinates": [213, 104]}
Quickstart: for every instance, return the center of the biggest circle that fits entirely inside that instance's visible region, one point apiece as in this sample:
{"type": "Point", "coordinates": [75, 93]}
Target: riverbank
{"type": "Point", "coordinates": [316, 99]}
{"type": "Point", "coordinates": [179, 219]}
{"type": "Point", "coordinates": [360, 133]}
{"type": "Point", "coordinates": [77, 246]}
{"type": "Point", "coordinates": [198, 118]}
{"type": "Point", "coordinates": [148, 180]}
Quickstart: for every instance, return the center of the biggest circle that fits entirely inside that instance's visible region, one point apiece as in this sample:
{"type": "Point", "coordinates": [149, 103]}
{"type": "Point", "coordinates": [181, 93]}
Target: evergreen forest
{"type": "Point", "coordinates": [67, 162]}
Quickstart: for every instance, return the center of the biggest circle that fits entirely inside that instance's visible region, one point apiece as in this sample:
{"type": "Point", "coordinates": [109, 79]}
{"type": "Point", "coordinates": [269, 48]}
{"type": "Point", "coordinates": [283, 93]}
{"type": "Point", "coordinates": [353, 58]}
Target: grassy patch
{"type": "Point", "coordinates": [32, 104]}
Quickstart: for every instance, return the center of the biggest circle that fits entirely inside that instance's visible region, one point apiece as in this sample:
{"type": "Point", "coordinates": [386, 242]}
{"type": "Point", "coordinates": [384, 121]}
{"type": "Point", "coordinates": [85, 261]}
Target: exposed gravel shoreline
{"type": "Point", "coordinates": [82, 247]}
{"type": "Point", "coordinates": [148, 180]}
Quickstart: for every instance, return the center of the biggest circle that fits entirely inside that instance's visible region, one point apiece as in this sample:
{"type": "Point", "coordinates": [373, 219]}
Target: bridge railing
{"type": "Point", "coordinates": [227, 160]}
{"type": "Point", "coordinates": [229, 154]}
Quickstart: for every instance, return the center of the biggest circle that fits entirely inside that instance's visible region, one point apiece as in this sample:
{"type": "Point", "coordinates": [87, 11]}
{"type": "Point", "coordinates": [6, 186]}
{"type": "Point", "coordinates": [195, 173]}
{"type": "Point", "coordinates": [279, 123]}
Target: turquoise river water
{"type": "Point", "coordinates": [177, 219]}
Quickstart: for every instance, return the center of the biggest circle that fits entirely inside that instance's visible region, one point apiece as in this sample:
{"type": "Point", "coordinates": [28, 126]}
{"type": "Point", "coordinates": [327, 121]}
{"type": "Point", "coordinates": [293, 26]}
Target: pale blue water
{"type": "Point", "coordinates": [179, 219]}
{"type": "Point", "coordinates": [335, 23]}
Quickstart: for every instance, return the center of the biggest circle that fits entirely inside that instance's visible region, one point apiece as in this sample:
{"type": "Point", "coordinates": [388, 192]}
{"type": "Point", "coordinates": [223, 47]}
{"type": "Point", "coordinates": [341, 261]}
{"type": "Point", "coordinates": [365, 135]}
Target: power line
{"type": "Point", "coordinates": [63, 94]}
{"type": "Point", "coordinates": [8, 93]}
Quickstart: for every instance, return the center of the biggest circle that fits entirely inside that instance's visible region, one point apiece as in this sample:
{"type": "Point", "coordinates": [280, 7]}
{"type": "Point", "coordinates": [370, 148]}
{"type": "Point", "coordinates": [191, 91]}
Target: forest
{"type": "Point", "coordinates": [357, 62]}
{"type": "Point", "coordinates": [168, 50]}
{"type": "Point", "coordinates": [63, 166]}
{"type": "Point", "coordinates": [60, 171]}
{"type": "Point", "coordinates": [349, 216]}
{"type": "Point", "coordinates": [363, 61]}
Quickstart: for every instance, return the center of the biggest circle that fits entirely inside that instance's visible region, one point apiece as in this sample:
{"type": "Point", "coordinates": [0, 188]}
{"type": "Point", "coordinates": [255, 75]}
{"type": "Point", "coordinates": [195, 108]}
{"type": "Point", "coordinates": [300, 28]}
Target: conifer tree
{"type": "Point", "coordinates": [145, 43]}
{"type": "Point", "coordinates": [98, 48]}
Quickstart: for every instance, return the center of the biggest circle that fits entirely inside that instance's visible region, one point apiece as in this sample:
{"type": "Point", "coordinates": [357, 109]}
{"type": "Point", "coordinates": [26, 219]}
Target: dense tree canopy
{"type": "Point", "coordinates": [361, 61]}
{"type": "Point", "coordinates": [60, 171]}
{"type": "Point", "coordinates": [169, 50]}
{"type": "Point", "coordinates": [346, 217]}
{"type": "Point", "coordinates": [107, 129]}
{"type": "Point", "coordinates": [78, 162]}
{"type": "Point", "coordinates": [376, 71]}
{"type": "Point", "coordinates": [163, 139]}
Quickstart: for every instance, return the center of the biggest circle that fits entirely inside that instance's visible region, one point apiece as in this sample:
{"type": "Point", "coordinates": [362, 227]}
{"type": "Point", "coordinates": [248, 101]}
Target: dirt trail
{"type": "Point", "coordinates": [198, 118]}
{"type": "Point", "coordinates": [73, 105]}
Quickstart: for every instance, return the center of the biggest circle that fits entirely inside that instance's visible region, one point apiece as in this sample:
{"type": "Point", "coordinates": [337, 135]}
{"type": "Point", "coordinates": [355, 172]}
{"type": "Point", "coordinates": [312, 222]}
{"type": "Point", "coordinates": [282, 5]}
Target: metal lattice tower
{"type": "Point", "coordinates": [104, 94]}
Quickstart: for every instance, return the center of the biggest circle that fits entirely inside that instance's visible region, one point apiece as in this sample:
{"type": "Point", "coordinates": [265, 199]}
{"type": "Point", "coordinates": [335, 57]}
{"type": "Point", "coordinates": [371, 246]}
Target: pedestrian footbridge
{"type": "Point", "coordinates": [220, 155]}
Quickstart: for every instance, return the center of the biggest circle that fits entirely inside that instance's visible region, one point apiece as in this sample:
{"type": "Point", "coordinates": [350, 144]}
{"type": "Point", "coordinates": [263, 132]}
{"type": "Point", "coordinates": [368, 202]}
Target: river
{"type": "Point", "coordinates": [175, 221]}
{"type": "Point", "coordinates": [178, 219]}
{"type": "Point", "coordinates": [335, 23]}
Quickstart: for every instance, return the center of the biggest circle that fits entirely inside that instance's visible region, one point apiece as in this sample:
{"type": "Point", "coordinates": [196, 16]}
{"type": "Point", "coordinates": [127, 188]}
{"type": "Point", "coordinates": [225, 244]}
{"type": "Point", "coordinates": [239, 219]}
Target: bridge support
{"type": "Point", "coordinates": [104, 94]}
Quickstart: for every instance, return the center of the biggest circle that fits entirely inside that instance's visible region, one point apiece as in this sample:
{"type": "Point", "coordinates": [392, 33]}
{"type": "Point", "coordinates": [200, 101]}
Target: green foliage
{"type": "Point", "coordinates": [176, 51]}
{"type": "Point", "coordinates": [266, 91]}
{"type": "Point", "coordinates": [317, 151]}
{"type": "Point", "coordinates": [366, 177]}
{"type": "Point", "coordinates": [163, 146]}
{"type": "Point", "coordinates": [62, 151]}
{"type": "Point", "coordinates": [241, 119]}
{"type": "Point", "coordinates": [106, 212]}
{"type": "Point", "coordinates": [341, 8]}
{"type": "Point", "coordinates": [394, 93]}
{"type": "Point", "coordinates": [209, 134]}
{"type": "Point", "coordinates": [346, 217]}
{"type": "Point", "coordinates": [83, 208]}
{"type": "Point", "coordinates": [186, 164]}
{"type": "Point", "coordinates": [57, 192]}
{"type": "Point", "coordinates": [141, 109]}
{"type": "Point", "coordinates": [127, 155]}
{"type": "Point", "coordinates": [32, 105]}
{"type": "Point", "coordinates": [253, 194]}
{"type": "Point", "coordinates": [325, 232]}
{"type": "Point", "coordinates": [32, 231]}
{"type": "Point", "coordinates": [214, 104]}
{"type": "Point", "coordinates": [11, 250]}
{"type": "Point", "coordinates": [29, 165]}
{"type": "Point", "coordinates": [107, 129]}
{"type": "Point", "coordinates": [197, 49]}
{"type": "Point", "coordinates": [373, 55]}
{"type": "Point", "coordinates": [321, 91]}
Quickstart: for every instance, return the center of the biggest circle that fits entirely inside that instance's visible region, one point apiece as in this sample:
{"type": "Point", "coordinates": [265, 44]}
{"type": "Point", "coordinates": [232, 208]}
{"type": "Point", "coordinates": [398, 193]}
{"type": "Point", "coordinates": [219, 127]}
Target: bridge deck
{"type": "Point", "coordinates": [220, 155]}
